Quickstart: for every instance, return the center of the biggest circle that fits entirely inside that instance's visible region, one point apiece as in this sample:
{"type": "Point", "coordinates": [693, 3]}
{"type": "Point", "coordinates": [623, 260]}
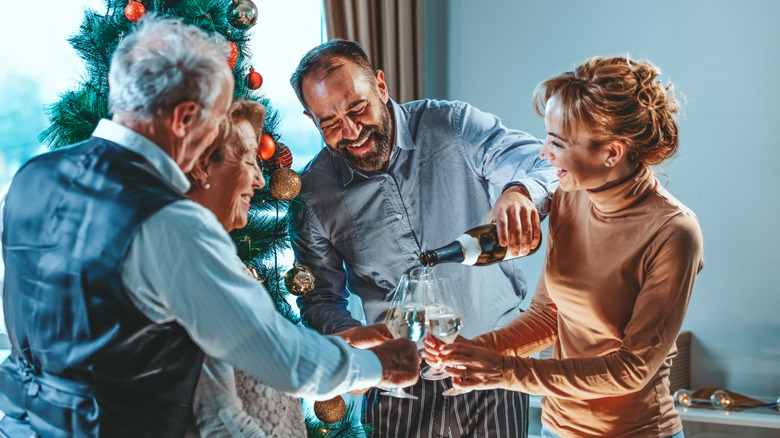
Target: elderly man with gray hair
{"type": "Point", "coordinates": [116, 284]}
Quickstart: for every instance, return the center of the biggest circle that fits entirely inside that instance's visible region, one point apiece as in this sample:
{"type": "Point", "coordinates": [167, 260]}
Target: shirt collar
{"type": "Point", "coordinates": [402, 140]}
{"type": "Point", "coordinates": [162, 162]}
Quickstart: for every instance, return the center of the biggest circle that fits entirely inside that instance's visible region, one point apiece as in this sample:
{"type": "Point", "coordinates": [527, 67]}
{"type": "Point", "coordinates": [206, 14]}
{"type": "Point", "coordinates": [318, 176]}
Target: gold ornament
{"type": "Point", "coordinates": [299, 280]}
{"type": "Point", "coordinates": [330, 411]}
{"type": "Point", "coordinates": [285, 184]}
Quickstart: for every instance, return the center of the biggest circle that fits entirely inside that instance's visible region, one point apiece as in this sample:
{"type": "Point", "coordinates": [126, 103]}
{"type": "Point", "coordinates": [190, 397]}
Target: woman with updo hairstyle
{"type": "Point", "coordinates": [622, 256]}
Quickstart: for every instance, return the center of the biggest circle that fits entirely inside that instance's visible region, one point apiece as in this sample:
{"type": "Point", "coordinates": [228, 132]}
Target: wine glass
{"type": "Point", "coordinates": [405, 319]}
{"type": "Point", "coordinates": [442, 315]}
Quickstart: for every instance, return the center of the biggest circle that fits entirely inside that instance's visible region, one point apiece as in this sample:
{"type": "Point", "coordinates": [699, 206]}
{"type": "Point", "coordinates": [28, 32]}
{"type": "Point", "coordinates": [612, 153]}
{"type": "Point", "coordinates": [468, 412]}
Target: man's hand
{"type": "Point", "coordinates": [366, 337]}
{"type": "Point", "coordinates": [400, 363]}
{"type": "Point", "coordinates": [517, 221]}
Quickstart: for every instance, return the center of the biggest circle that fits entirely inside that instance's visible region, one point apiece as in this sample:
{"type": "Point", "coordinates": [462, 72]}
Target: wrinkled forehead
{"type": "Point", "coordinates": [337, 76]}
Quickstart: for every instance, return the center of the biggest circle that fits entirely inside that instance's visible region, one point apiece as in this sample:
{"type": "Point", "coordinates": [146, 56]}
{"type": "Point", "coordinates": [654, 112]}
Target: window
{"type": "Point", "coordinates": [38, 66]}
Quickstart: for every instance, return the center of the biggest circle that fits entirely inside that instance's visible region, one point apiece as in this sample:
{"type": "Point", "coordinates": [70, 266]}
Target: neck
{"type": "Point", "coordinates": [619, 175]}
{"type": "Point", "coordinates": [202, 197]}
{"type": "Point", "coordinates": [156, 131]}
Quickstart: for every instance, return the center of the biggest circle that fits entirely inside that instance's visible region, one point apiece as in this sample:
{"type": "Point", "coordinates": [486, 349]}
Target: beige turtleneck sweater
{"type": "Point", "coordinates": [620, 268]}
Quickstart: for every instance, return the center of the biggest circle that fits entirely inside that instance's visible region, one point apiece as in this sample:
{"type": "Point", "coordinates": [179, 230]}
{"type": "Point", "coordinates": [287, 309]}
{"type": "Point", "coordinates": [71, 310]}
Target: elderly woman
{"type": "Point", "coordinates": [227, 402]}
{"type": "Point", "coordinates": [622, 256]}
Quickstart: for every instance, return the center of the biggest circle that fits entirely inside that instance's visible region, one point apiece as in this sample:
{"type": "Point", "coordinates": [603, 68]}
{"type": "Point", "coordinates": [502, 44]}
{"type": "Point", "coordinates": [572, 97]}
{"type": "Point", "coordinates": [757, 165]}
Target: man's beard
{"type": "Point", "coordinates": [377, 158]}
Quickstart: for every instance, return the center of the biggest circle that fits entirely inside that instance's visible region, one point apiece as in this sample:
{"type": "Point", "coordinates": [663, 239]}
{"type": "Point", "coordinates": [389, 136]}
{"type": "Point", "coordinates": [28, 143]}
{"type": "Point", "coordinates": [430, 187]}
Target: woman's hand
{"type": "Point", "coordinates": [432, 346]}
{"type": "Point", "coordinates": [472, 367]}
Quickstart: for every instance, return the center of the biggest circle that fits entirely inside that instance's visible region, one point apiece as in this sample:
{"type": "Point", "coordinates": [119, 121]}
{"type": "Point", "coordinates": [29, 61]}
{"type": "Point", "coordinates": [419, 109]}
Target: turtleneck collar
{"type": "Point", "coordinates": [625, 194]}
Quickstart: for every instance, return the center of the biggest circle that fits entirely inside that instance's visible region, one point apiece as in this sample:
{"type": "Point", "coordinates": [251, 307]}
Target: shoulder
{"type": "Point", "coordinates": [432, 110]}
{"type": "Point", "coordinates": [677, 224]}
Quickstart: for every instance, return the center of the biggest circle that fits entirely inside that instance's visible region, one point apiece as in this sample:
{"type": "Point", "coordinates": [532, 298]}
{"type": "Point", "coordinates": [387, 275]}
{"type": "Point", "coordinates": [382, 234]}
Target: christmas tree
{"type": "Point", "coordinates": [74, 117]}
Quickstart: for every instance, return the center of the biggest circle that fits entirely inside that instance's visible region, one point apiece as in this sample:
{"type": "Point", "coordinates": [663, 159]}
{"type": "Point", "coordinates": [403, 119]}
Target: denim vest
{"type": "Point", "coordinates": [85, 361]}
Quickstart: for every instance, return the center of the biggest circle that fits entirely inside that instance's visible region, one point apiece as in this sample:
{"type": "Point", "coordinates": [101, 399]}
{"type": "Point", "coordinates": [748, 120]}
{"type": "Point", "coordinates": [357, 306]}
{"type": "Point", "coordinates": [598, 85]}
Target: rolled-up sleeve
{"type": "Point", "coordinates": [502, 155]}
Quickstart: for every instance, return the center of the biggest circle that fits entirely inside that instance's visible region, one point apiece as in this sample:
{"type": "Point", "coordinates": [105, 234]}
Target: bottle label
{"type": "Point", "coordinates": [471, 249]}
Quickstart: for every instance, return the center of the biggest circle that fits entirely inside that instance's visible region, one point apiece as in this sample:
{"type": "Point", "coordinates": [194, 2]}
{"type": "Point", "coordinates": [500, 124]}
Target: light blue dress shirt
{"type": "Point", "coordinates": [360, 232]}
{"type": "Point", "coordinates": [182, 267]}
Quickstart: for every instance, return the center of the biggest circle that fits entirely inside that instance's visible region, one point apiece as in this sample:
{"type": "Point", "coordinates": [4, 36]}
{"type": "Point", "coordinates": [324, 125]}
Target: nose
{"type": "Point", "coordinates": [545, 153]}
{"type": "Point", "coordinates": [258, 182]}
{"type": "Point", "coordinates": [349, 129]}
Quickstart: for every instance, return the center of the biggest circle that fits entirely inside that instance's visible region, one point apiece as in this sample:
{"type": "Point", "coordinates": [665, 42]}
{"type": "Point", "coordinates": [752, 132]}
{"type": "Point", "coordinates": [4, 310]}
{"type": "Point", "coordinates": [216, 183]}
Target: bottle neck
{"type": "Point", "coordinates": [450, 253]}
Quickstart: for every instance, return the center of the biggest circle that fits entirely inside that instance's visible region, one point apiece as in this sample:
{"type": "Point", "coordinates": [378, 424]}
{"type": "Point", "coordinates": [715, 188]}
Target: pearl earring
{"type": "Point", "coordinates": [608, 164]}
{"type": "Point", "coordinates": [207, 186]}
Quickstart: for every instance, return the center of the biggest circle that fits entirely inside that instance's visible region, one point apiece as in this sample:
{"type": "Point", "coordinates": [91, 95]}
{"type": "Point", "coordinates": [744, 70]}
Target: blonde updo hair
{"type": "Point", "coordinates": [617, 99]}
{"type": "Point", "coordinates": [248, 110]}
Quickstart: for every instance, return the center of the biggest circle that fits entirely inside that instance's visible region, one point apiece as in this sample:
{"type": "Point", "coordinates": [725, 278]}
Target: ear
{"type": "Point", "coordinates": [184, 117]}
{"type": "Point", "coordinates": [311, 117]}
{"type": "Point", "coordinates": [381, 86]}
{"type": "Point", "coordinates": [616, 152]}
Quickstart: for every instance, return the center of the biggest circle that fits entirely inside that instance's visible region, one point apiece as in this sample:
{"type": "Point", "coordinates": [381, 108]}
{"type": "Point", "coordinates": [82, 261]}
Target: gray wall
{"type": "Point", "coordinates": [723, 58]}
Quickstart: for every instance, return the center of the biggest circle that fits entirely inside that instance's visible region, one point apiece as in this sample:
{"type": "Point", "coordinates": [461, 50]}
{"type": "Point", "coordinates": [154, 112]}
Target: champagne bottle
{"type": "Point", "coordinates": [478, 246]}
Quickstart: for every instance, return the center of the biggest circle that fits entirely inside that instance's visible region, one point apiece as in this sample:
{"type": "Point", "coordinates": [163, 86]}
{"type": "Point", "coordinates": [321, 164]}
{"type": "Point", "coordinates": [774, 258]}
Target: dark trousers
{"type": "Point", "coordinates": [11, 427]}
{"type": "Point", "coordinates": [490, 414]}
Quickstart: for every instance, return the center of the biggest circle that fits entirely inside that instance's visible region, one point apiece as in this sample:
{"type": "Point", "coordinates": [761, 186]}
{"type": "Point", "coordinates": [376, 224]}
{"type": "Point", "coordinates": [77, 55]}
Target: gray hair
{"type": "Point", "coordinates": [163, 63]}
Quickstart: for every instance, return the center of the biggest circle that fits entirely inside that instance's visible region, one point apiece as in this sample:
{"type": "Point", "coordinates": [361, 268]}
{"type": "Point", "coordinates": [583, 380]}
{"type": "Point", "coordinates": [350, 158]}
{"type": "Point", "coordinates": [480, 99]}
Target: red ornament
{"type": "Point", "coordinates": [134, 10]}
{"type": "Point", "coordinates": [282, 158]}
{"type": "Point", "coordinates": [233, 58]}
{"type": "Point", "coordinates": [267, 147]}
{"type": "Point", "coordinates": [253, 79]}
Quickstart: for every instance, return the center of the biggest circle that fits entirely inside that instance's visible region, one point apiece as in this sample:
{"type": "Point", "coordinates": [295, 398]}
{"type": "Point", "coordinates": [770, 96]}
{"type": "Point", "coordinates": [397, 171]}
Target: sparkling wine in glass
{"type": "Point", "coordinates": [444, 321]}
{"type": "Point", "coordinates": [405, 319]}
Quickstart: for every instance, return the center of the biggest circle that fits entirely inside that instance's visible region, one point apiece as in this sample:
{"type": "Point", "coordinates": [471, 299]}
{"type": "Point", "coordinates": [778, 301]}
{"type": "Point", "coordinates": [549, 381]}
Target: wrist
{"type": "Point", "coordinates": [517, 187]}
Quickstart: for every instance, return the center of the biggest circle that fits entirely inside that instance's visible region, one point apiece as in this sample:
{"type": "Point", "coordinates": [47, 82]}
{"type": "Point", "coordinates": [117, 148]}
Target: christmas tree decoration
{"type": "Point", "coordinates": [330, 411]}
{"type": "Point", "coordinates": [267, 147]}
{"type": "Point", "coordinates": [285, 184]}
{"type": "Point", "coordinates": [134, 10]}
{"type": "Point", "coordinates": [282, 158]}
{"type": "Point", "coordinates": [264, 243]}
{"type": "Point", "coordinates": [242, 14]}
{"type": "Point", "coordinates": [299, 280]}
{"type": "Point", "coordinates": [253, 79]}
{"type": "Point", "coordinates": [233, 57]}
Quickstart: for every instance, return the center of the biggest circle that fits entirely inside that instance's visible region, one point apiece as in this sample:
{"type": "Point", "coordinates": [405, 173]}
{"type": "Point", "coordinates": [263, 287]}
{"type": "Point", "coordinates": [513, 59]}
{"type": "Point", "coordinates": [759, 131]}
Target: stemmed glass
{"type": "Point", "coordinates": [443, 318]}
{"type": "Point", "coordinates": [442, 315]}
{"type": "Point", "coordinates": [406, 319]}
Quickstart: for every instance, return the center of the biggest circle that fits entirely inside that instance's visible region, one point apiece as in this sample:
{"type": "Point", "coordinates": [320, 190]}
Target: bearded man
{"type": "Point", "coordinates": [395, 180]}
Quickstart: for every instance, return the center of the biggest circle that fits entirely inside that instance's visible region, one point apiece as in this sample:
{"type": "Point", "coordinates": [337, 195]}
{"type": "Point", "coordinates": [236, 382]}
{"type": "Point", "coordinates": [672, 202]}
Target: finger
{"type": "Point", "coordinates": [537, 228]}
{"type": "Point", "coordinates": [456, 373]}
{"type": "Point", "coordinates": [501, 226]}
{"type": "Point", "coordinates": [528, 232]}
{"type": "Point", "coordinates": [467, 383]}
{"type": "Point", "coordinates": [514, 228]}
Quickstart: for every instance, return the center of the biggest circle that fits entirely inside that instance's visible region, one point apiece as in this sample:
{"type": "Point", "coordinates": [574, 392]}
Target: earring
{"type": "Point", "coordinates": [207, 186]}
{"type": "Point", "coordinates": [608, 164]}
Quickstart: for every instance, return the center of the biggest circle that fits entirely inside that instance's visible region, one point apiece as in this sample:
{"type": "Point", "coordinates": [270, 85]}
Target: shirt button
{"type": "Point", "coordinates": [399, 216]}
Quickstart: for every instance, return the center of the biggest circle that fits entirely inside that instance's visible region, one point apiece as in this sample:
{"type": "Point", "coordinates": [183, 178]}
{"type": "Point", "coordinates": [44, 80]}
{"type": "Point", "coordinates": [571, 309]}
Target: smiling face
{"type": "Point", "coordinates": [580, 166]}
{"type": "Point", "coordinates": [234, 178]}
{"type": "Point", "coordinates": [349, 108]}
